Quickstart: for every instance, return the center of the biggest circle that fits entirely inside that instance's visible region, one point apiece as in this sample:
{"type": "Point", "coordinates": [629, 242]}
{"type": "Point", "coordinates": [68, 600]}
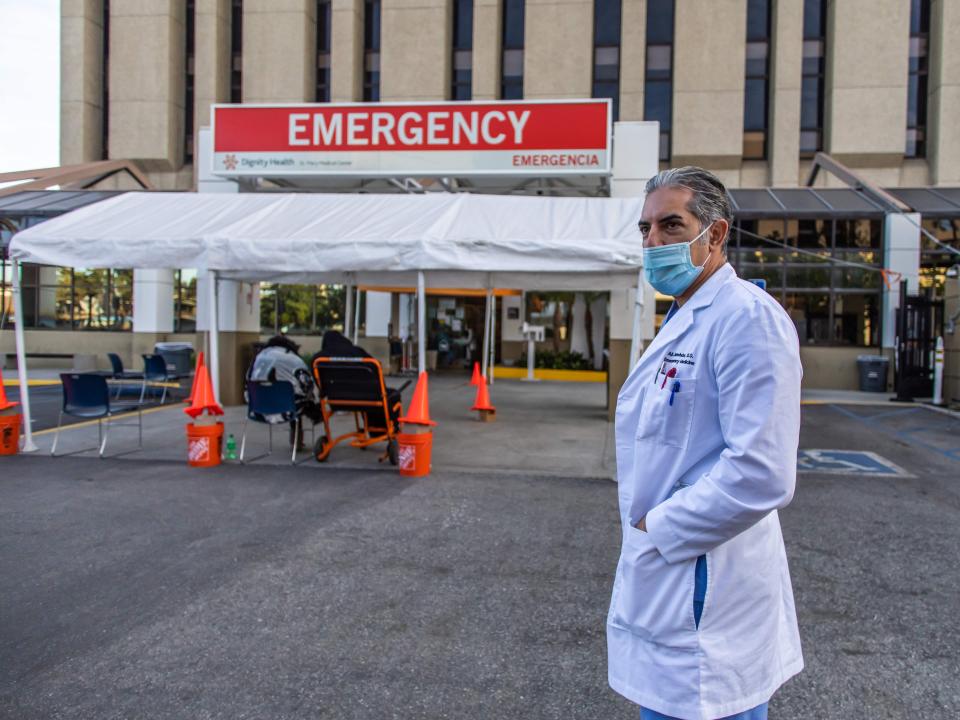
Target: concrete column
{"type": "Point", "coordinates": [598, 315]}
{"type": "Point", "coordinates": [633, 58]}
{"type": "Point", "coordinates": [346, 50]}
{"type": "Point", "coordinates": [416, 50]}
{"type": "Point", "coordinates": [238, 322]}
{"type": "Point", "coordinates": [943, 111]}
{"type": "Point", "coordinates": [378, 309]}
{"type": "Point", "coordinates": [279, 50]}
{"type": "Point", "coordinates": [901, 253]}
{"type": "Point", "coordinates": [146, 69]}
{"type": "Point", "coordinates": [81, 87]}
{"type": "Point", "coordinates": [211, 59]}
{"type": "Point", "coordinates": [708, 83]}
{"type": "Point", "coordinates": [558, 49]}
{"type": "Point", "coordinates": [487, 46]}
{"type": "Point", "coordinates": [865, 109]}
{"type": "Point", "coordinates": [786, 71]}
{"type": "Point", "coordinates": [578, 329]}
{"type": "Point", "coordinates": [152, 301]}
{"type": "Point", "coordinates": [406, 316]}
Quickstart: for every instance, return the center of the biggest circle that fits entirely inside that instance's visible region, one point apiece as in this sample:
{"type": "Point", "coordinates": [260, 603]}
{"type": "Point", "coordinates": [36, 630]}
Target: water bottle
{"type": "Point", "coordinates": [231, 453]}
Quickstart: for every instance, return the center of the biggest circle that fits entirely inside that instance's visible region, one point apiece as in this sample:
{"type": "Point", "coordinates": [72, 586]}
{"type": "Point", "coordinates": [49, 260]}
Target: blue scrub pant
{"type": "Point", "coordinates": [699, 593]}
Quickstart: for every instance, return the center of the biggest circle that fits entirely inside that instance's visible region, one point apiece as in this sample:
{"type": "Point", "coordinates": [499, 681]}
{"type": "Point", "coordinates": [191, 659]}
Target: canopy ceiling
{"type": "Point", "coordinates": [462, 240]}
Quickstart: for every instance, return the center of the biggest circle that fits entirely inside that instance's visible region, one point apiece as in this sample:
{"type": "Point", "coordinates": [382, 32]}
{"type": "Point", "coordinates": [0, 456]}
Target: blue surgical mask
{"type": "Point", "coordinates": [669, 267]}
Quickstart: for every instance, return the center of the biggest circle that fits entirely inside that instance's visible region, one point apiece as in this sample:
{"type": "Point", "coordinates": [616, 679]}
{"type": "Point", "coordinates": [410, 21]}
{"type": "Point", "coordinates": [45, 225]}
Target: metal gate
{"type": "Point", "coordinates": [919, 322]}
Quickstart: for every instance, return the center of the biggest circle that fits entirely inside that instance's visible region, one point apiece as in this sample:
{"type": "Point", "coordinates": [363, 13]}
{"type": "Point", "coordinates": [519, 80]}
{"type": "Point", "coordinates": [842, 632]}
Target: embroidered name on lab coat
{"type": "Point", "coordinates": [679, 358]}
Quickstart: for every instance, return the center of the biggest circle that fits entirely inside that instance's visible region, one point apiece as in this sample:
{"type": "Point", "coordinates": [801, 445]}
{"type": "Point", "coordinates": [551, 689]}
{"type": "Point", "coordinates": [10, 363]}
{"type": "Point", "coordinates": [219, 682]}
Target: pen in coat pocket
{"type": "Point", "coordinates": [672, 372]}
{"type": "Point", "coordinates": [674, 390]}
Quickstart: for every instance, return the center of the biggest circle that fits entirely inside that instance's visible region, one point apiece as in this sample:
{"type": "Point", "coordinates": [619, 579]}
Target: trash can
{"type": "Point", "coordinates": [873, 372]}
{"type": "Point", "coordinates": [177, 356]}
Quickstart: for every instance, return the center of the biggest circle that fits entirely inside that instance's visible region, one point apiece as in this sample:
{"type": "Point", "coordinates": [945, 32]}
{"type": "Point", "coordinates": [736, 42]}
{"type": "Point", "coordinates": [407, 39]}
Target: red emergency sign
{"type": "Point", "coordinates": [413, 139]}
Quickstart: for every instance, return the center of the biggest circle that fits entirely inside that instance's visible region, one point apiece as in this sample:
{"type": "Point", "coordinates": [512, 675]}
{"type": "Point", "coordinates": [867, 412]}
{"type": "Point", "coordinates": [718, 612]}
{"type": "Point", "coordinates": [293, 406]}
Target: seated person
{"type": "Point", "coordinates": [336, 345]}
{"type": "Point", "coordinates": [280, 360]}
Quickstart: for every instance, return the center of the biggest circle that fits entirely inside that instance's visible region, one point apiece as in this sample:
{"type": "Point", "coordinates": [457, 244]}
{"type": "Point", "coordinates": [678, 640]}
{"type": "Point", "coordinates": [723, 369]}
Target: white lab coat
{"type": "Point", "coordinates": [729, 441]}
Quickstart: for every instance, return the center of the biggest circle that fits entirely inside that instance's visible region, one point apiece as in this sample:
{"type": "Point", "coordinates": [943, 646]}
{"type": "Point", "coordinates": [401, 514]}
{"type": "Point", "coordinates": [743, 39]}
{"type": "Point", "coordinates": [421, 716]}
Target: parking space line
{"type": "Point", "coordinates": [893, 413]}
{"type": "Point", "coordinates": [904, 434]}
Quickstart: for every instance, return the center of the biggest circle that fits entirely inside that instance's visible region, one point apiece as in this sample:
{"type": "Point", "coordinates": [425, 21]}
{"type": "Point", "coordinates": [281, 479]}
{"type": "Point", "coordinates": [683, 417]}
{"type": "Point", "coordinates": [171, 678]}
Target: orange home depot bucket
{"type": "Point", "coordinates": [9, 434]}
{"type": "Point", "coordinates": [204, 444]}
{"type": "Point", "coordinates": [415, 453]}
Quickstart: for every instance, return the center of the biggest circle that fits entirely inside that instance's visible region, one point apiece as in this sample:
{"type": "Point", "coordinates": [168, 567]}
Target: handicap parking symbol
{"type": "Point", "coordinates": [848, 462]}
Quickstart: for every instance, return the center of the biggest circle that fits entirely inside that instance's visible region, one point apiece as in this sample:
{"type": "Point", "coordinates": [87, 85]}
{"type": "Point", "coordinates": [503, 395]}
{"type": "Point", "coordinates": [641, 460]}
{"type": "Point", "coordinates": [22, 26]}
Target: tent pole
{"type": "Point", "coordinates": [421, 323]}
{"type": "Point", "coordinates": [348, 312]}
{"type": "Point", "coordinates": [214, 332]}
{"type": "Point", "coordinates": [356, 320]}
{"type": "Point", "coordinates": [28, 444]}
{"type": "Point", "coordinates": [493, 335]}
{"type": "Point", "coordinates": [486, 335]}
{"type": "Point", "coordinates": [635, 329]}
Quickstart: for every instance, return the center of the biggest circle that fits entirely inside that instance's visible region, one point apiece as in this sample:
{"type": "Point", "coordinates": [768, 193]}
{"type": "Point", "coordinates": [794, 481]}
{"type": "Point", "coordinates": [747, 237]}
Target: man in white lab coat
{"type": "Point", "coordinates": [702, 622]}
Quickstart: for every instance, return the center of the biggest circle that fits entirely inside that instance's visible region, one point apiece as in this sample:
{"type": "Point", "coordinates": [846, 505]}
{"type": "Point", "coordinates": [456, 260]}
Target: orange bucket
{"type": "Point", "coordinates": [9, 434]}
{"type": "Point", "coordinates": [415, 453]}
{"type": "Point", "coordinates": [204, 444]}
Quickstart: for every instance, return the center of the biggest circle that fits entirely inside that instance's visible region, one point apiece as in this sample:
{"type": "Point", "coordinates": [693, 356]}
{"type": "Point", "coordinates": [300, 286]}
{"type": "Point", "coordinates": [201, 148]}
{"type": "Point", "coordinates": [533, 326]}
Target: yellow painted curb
{"type": "Point", "coordinates": [122, 416]}
{"type": "Point", "coordinates": [30, 383]}
{"type": "Point", "coordinates": [517, 373]}
{"type": "Point", "coordinates": [7, 382]}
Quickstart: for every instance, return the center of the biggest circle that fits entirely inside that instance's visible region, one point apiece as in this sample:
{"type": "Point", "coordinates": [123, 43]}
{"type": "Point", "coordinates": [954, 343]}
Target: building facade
{"type": "Point", "coordinates": [750, 89]}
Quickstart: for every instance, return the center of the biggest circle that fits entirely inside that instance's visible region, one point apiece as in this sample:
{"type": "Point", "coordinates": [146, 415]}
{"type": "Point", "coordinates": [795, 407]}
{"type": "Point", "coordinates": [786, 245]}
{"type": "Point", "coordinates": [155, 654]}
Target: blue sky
{"type": "Point", "coordinates": [29, 84]}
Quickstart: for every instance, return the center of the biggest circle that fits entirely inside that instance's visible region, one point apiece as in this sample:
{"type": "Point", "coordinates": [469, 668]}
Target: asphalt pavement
{"type": "Point", "coordinates": [133, 589]}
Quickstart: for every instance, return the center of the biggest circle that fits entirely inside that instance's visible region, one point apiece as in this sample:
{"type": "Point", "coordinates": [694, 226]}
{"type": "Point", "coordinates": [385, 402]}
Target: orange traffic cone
{"type": "Point", "coordinates": [196, 376]}
{"type": "Point", "coordinates": [475, 380]}
{"type": "Point", "coordinates": [418, 412]}
{"type": "Point", "coordinates": [487, 412]}
{"type": "Point", "coordinates": [4, 403]}
{"type": "Point", "coordinates": [203, 396]}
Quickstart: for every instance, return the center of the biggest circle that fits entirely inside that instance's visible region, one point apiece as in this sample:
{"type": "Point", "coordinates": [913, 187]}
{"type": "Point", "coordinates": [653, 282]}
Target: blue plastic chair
{"type": "Point", "coordinates": [86, 395]}
{"type": "Point", "coordinates": [270, 398]}
{"type": "Point", "coordinates": [120, 374]}
{"type": "Point", "coordinates": [154, 370]}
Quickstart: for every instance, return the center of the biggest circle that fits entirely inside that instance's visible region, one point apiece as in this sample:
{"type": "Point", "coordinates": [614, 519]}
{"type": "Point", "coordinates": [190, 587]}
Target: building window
{"type": "Point", "coordinates": [917, 79]}
{"type": "Point", "coordinates": [935, 260]}
{"type": "Point", "coordinates": [188, 84]}
{"type": "Point", "coordinates": [236, 51]}
{"type": "Point", "coordinates": [511, 70]}
{"type": "Point", "coordinates": [185, 301]}
{"type": "Point", "coordinates": [658, 81]}
{"type": "Point", "coordinates": [324, 23]}
{"type": "Point", "coordinates": [105, 84]}
{"type": "Point", "coordinates": [814, 73]}
{"type": "Point", "coordinates": [830, 304]}
{"type": "Point", "coordinates": [301, 309]}
{"type": "Point", "coordinates": [606, 52]}
{"type": "Point", "coordinates": [462, 85]}
{"type": "Point", "coordinates": [58, 298]}
{"type": "Point", "coordinates": [371, 54]}
{"type": "Point", "coordinates": [756, 92]}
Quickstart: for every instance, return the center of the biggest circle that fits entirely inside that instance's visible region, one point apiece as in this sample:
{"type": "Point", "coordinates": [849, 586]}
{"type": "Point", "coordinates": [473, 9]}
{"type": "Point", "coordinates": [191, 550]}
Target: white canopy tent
{"type": "Point", "coordinates": [432, 240]}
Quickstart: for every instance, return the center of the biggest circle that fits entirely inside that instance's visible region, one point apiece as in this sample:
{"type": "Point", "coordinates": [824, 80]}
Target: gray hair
{"type": "Point", "coordinates": [710, 201]}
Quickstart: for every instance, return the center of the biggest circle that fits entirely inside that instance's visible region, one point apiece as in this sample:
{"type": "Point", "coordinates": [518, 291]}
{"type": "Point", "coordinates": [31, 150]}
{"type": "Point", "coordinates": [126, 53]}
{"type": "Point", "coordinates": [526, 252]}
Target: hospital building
{"type": "Point", "coordinates": [834, 123]}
